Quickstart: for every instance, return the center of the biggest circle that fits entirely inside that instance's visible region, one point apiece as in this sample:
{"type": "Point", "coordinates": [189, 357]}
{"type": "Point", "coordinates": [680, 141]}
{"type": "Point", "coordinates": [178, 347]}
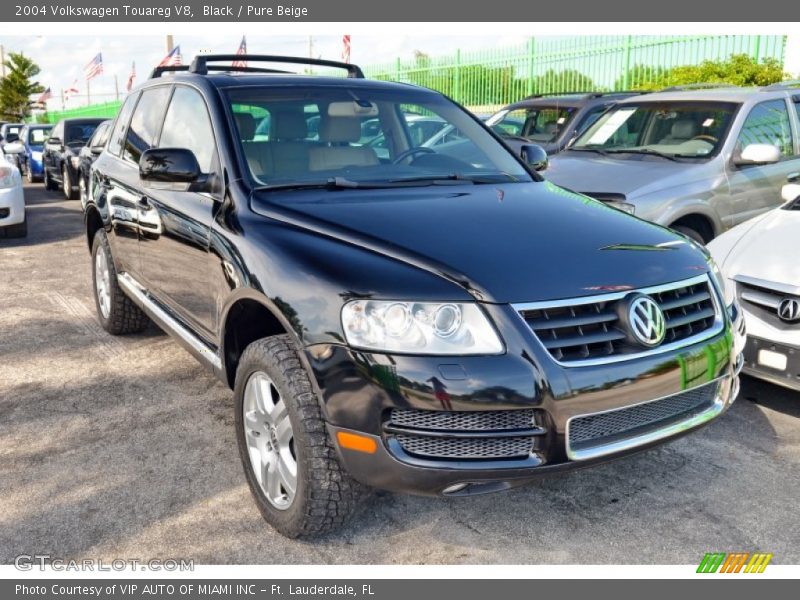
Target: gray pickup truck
{"type": "Point", "coordinates": [697, 160]}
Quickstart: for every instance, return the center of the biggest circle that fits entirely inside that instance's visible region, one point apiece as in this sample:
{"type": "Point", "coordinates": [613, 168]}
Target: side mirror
{"type": "Point", "coordinates": [534, 156]}
{"type": "Point", "coordinates": [790, 192]}
{"type": "Point", "coordinates": [169, 165]}
{"type": "Point", "coordinates": [758, 154]}
{"type": "Point", "coordinates": [14, 148]}
{"type": "Point", "coordinates": [96, 150]}
{"type": "Point", "coordinates": [54, 141]}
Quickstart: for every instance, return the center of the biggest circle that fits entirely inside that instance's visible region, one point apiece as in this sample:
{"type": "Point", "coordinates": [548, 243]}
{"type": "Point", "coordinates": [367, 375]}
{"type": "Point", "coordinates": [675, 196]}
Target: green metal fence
{"type": "Point", "coordinates": [487, 79]}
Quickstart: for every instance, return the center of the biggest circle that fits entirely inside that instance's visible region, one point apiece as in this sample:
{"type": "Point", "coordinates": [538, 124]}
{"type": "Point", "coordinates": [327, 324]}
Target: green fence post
{"type": "Point", "coordinates": [758, 48]}
{"type": "Point", "coordinates": [626, 76]}
{"type": "Point", "coordinates": [531, 65]}
{"type": "Point", "coordinates": [457, 77]}
{"type": "Point", "coordinates": [397, 70]}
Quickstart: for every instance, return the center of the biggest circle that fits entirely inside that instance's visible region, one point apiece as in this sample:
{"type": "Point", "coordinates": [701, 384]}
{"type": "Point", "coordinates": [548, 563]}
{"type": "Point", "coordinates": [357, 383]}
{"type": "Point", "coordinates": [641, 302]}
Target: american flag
{"type": "Point", "coordinates": [46, 95]}
{"type": "Point", "coordinates": [71, 91]}
{"type": "Point", "coordinates": [131, 77]}
{"type": "Point", "coordinates": [346, 48]}
{"type": "Point", "coordinates": [94, 68]}
{"type": "Point", "coordinates": [241, 52]}
{"type": "Point", "coordinates": [173, 59]}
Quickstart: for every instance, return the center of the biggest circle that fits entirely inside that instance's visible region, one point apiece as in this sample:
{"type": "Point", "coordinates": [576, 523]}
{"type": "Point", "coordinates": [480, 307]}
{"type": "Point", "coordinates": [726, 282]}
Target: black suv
{"type": "Point", "coordinates": [414, 322]}
{"type": "Point", "coordinates": [552, 120]}
{"type": "Point", "coordinates": [61, 154]}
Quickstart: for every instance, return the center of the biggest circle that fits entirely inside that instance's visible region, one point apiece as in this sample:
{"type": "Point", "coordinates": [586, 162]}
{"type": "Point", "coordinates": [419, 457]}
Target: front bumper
{"type": "Point", "coordinates": [361, 390]}
{"type": "Point", "coordinates": [12, 205]}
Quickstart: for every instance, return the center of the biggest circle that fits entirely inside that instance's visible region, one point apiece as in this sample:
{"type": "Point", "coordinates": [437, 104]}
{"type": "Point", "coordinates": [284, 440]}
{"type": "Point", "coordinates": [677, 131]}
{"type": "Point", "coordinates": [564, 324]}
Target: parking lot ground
{"type": "Point", "coordinates": [124, 448]}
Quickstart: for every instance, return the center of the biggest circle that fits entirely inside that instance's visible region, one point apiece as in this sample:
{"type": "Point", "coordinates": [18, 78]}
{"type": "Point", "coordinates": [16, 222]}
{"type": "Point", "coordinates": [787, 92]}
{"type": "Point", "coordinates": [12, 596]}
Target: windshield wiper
{"type": "Point", "coordinates": [332, 183]}
{"type": "Point", "coordinates": [649, 151]}
{"type": "Point", "coordinates": [335, 183]}
{"type": "Point", "coordinates": [589, 149]}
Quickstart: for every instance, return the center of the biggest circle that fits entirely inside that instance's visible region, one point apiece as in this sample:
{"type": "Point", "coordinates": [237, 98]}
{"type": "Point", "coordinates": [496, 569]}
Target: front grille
{"type": "Point", "coordinates": [764, 301]}
{"type": "Point", "coordinates": [466, 448]}
{"type": "Point", "coordinates": [464, 435]}
{"type": "Point", "coordinates": [606, 427]}
{"type": "Point", "coordinates": [583, 331]}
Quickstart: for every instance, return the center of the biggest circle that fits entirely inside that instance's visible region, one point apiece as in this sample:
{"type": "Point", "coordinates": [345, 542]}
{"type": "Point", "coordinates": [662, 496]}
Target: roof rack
{"type": "Point", "coordinates": [697, 86]}
{"type": "Point", "coordinates": [200, 64]}
{"type": "Point", "coordinates": [584, 94]}
{"type": "Point", "coordinates": [782, 85]}
{"type": "Point", "coordinates": [158, 71]}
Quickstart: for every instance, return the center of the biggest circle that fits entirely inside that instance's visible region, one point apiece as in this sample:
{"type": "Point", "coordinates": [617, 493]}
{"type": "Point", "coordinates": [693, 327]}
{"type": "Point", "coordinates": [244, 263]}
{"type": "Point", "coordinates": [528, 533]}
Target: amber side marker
{"type": "Point", "coordinates": [359, 443]}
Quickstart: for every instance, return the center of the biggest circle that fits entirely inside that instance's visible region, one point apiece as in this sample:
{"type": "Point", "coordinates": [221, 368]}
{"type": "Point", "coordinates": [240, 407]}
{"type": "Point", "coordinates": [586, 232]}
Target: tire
{"type": "Point", "coordinates": [325, 495]}
{"type": "Point", "coordinates": [20, 230]}
{"type": "Point", "coordinates": [690, 233]}
{"type": "Point", "coordinates": [116, 312]}
{"type": "Point", "coordinates": [29, 174]}
{"type": "Point", "coordinates": [66, 183]}
{"type": "Point", "coordinates": [49, 184]}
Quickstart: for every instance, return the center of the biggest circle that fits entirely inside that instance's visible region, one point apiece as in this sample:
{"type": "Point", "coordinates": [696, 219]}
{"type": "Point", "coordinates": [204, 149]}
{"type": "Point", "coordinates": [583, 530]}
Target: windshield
{"type": "Point", "coordinates": [542, 124]}
{"type": "Point", "coordinates": [673, 129]}
{"type": "Point", "coordinates": [39, 135]}
{"type": "Point", "coordinates": [79, 133]}
{"type": "Point", "coordinates": [362, 136]}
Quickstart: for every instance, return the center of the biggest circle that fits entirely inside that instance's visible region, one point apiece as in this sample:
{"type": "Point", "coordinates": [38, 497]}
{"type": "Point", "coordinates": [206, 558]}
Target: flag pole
{"type": "Point", "coordinates": [63, 105]}
{"type": "Point", "coordinates": [88, 93]}
{"type": "Point", "coordinates": [116, 86]}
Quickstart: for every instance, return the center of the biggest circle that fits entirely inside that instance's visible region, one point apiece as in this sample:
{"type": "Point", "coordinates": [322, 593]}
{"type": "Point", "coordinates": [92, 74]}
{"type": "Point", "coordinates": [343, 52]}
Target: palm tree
{"type": "Point", "coordinates": [17, 87]}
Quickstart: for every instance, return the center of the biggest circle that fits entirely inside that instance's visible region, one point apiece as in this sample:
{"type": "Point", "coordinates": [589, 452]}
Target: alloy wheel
{"type": "Point", "coordinates": [270, 440]}
{"type": "Point", "coordinates": [102, 282]}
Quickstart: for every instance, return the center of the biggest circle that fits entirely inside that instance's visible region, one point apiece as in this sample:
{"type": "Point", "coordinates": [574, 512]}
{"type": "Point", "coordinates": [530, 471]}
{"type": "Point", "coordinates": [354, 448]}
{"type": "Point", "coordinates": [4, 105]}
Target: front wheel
{"type": "Point", "coordinates": [289, 460]}
{"type": "Point", "coordinates": [29, 173]}
{"type": "Point", "coordinates": [49, 184]}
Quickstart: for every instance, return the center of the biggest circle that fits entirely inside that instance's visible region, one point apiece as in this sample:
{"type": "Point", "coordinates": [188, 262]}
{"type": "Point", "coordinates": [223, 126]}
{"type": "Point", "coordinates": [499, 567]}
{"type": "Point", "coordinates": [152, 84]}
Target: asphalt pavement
{"type": "Point", "coordinates": [123, 447]}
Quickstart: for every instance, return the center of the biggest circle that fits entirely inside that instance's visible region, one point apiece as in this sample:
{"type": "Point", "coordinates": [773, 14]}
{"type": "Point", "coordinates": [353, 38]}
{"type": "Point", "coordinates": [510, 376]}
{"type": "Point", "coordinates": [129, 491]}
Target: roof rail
{"type": "Point", "coordinates": [158, 71]}
{"type": "Point", "coordinates": [594, 94]}
{"type": "Point", "coordinates": [782, 85]}
{"type": "Point", "coordinates": [697, 86]}
{"type": "Point", "coordinates": [200, 64]}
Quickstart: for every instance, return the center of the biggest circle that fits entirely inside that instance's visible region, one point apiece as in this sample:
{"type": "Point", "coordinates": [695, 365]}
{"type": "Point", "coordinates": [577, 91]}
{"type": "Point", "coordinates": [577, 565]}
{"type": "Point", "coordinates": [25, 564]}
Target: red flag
{"type": "Point", "coordinates": [94, 67]}
{"type": "Point", "coordinates": [241, 52]}
{"type": "Point", "coordinates": [46, 95]}
{"type": "Point", "coordinates": [131, 77]}
{"type": "Point", "coordinates": [173, 59]}
{"type": "Point", "coordinates": [71, 91]}
{"type": "Point", "coordinates": [346, 48]}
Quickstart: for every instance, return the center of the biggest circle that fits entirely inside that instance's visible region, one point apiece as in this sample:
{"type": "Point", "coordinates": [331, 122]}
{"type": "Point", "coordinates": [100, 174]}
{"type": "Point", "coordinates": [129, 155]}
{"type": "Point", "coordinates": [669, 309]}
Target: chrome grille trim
{"type": "Point", "coordinates": [713, 407]}
{"type": "Point", "coordinates": [716, 327]}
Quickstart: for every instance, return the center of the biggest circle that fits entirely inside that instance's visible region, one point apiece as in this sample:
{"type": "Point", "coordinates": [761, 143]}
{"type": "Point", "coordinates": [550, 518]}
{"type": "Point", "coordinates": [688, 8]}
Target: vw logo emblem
{"type": "Point", "coordinates": [646, 321]}
{"type": "Point", "coordinates": [789, 310]}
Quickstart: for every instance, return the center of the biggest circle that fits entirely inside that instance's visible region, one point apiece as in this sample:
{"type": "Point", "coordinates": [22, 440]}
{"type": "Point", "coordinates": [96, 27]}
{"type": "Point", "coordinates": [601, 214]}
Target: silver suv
{"type": "Point", "coordinates": [697, 160]}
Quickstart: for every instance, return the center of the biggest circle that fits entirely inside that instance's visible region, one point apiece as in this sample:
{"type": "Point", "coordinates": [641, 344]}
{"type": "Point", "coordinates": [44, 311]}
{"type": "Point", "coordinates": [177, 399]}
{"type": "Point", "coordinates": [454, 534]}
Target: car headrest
{"type": "Point", "coordinates": [684, 129]}
{"type": "Point", "coordinates": [340, 129]}
{"type": "Point", "coordinates": [290, 126]}
{"type": "Point", "coordinates": [246, 124]}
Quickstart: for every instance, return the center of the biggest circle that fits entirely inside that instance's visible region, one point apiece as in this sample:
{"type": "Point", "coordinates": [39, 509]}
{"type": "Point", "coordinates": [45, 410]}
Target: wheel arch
{"type": "Point", "coordinates": [93, 222]}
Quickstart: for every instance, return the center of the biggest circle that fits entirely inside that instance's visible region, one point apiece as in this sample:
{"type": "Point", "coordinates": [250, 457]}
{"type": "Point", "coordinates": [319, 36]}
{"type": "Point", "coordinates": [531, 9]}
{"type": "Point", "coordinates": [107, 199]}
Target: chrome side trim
{"type": "Point", "coordinates": [138, 293]}
{"type": "Point", "coordinates": [716, 408]}
{"type": "Point", "coordinates": [715, 329]}
{"type": "Point", "coordinates": [780, 288]}
{"type": "Point", "coordinates": [762, 299]}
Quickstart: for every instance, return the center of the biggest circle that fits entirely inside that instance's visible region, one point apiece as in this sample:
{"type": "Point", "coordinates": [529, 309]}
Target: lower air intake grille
{"type": "Point", "coordinates": [606, 427]}
{"type": "Point", "coordinates": [445, 420]}
{"type": "Point", "coordinates": [466, 448]}
{"type": "Point", "coordinates": [464, 435]}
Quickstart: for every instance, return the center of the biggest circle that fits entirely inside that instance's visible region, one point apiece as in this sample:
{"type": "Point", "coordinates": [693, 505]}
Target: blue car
{"type": "Point", "coordinates": [32, 138]}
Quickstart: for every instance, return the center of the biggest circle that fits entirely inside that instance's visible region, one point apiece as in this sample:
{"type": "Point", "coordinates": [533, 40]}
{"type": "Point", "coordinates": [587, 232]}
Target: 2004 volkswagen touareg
{"type": "Point", "coordinates": [416, 323]}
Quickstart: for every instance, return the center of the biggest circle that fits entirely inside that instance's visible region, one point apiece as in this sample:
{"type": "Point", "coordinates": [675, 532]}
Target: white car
{"type": "Point", "coordinates": [12, 201]}
{"type": "Point", "coordinates": [760, 258]}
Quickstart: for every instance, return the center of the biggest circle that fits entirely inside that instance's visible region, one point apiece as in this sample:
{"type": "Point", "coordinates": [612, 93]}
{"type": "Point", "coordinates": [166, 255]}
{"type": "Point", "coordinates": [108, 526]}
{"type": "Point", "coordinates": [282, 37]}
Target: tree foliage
{"type": "Point", "coordinates": [17, 87]}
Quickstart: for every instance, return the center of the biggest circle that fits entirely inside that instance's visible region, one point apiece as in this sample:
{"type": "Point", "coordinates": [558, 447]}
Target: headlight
{"type": "Point", "coordinates": [725, 289]}
{"type": "Point", "coordinates": [75, 160]}
{"type": "Point", "coordinates": [419, 328]}
{"type": "Point", "coordinates": [6, 177]}
{"type": "Point", "coordinates": [35, 155]}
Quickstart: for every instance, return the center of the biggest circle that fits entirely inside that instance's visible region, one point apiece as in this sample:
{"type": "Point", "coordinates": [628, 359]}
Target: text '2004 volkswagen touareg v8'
{"type": "Point", "coordinates": [413, 322]}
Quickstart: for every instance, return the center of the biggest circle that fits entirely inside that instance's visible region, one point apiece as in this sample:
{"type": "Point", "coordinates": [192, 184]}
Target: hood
{"type": "Point", "coordinates": [766, 249]}
{"type": "Point", "coordinates": [633, 176]}
{"type": "Point", "coordinates": [503, 243]}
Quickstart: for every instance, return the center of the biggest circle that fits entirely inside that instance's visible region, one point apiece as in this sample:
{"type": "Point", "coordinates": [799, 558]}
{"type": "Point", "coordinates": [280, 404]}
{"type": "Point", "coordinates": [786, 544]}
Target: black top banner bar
{"type": "Point", "coordinates": [259, 11]}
